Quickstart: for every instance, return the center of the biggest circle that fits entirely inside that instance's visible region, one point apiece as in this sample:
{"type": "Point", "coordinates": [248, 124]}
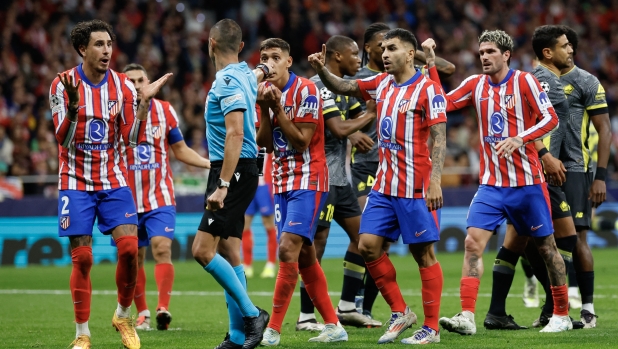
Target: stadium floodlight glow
{"type": "Point", "coordinates": [200, 17]}
{"type": "Point", "coordinates": [180, 7]}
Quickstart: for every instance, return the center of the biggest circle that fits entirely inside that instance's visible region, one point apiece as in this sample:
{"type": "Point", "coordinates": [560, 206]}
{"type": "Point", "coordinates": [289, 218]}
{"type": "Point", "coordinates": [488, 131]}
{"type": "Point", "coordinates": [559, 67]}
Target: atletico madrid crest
{"type": "Point", "coordinates": [156, 132]}
{"type": "Point", "coordinates": [113, 107]}
{"type": "Point", "coordinates": [65, 221]}
{"type": "Point", "coordinates": [509, 101]}
{"type": "Point", "coordinates": [404, 105]}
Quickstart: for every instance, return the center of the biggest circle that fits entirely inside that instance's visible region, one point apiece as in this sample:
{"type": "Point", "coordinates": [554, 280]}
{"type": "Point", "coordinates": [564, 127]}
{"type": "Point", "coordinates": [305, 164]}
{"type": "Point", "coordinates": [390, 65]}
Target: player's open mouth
{"type": "Point", "coordinates": [105, 60]}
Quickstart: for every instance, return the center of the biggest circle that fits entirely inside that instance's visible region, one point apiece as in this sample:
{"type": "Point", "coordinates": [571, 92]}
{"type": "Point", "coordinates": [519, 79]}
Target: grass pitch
{"type": "Point", "coordinates": [37, 308]}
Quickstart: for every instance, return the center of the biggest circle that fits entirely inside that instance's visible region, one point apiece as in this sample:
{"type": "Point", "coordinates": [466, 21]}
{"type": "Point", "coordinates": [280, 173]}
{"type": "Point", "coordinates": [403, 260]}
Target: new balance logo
{"type": "Point", "coordinates": [128, 215]}
{"type": "Point", "coordinates": [533, 228]}
{"type": "Point", "coordinates": [237, 175]}
{"type": "Point", "coordinates": [210, 220]}
{"type": "Point", "coordinates": [419, 233]}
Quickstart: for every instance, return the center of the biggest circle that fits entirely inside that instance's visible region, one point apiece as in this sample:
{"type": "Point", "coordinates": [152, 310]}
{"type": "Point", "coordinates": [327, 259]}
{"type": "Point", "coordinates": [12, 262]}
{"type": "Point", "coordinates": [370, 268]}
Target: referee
{"type": "Point", "coordinates": [230, 124]}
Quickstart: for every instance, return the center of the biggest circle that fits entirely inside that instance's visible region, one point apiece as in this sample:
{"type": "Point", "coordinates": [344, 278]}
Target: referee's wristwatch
{"type": "Point", "coordinates": [264, 69]}
{"type": "Point", "coordinates": [223, 184]}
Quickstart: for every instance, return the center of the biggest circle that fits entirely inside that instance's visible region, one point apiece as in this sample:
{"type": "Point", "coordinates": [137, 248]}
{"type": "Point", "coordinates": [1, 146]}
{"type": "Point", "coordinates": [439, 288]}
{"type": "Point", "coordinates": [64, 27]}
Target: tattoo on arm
{"type": "Point", "coordinates": [339, 85]}
{"type": "Point", "coordinates": [438, 153]}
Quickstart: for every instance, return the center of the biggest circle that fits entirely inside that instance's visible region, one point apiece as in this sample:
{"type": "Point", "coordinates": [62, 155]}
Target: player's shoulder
{"type": "Point", "coordinates": [317, 81]}
{"type": "Point", "coordinates": [229, 76]}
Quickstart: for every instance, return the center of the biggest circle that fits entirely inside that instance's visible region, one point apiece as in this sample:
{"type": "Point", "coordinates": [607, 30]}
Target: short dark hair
{"type": "Point", "coordinates": [275, 43]}
{"type": "Point", "coordinates": [337, 43]}
{"type": "Point", "coordinates": [370, 33]}
{"type": "Point", "coordinates": [228, 35]}
{"type": "Point", "coordinates": [80, 35]}
{"type": "Point", "coordinates": [546, 36]}
{"type": "Point", "coordinates": [134, 66]}
{"type": "Point", "coordinates": [403, 35]}
{"type": "Point", "coordinates": [572, 37]}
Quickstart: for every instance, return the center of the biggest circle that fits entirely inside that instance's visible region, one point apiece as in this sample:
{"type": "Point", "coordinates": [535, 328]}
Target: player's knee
{"type": "Point", "coordinates": [287, 252]}
{"type": "Point", "coordinates": [471, 245]}
{"type": "Point", "coordinates": [202, 256]}
{"type": "Point", "coordinates": [127, 250]}
{"type": "Point", "coordinates": [162, 254]}
{"type": "Point", "coordinates": [82, 259]}
{"type": "Point", "coordinates": [369, 253]}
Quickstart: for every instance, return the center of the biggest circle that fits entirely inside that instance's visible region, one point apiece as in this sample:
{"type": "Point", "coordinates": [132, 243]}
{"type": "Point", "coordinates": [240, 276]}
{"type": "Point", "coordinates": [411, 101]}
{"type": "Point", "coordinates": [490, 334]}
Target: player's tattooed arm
{"type": "Point", "coordinates": [444, 67]}
{"type": "Point", "coordinates": [434, 199]}
{"type": "Point", "coordinates": [333, 82]}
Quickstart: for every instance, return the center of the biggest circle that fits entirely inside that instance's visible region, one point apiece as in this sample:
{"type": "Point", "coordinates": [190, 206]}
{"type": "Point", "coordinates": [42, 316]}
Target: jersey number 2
{"type": "Point", "coordinates": [65, 200]}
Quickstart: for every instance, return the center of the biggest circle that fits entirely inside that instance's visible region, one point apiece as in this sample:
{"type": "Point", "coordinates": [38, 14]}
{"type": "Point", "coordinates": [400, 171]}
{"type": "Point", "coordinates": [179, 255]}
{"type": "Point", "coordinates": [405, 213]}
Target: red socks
{"type": "Point", "coordinates": [468, 291]}
{"type": "Point", "coordinates": [164, 275]}
{"type": "Point", "coordinates": [560, 294]}
{"type": "Point", "coordinates": [81, 288]}
{"type": "Point", "coordinates": [431, 289]}
{"type": "Point", "coordinates": [317, 288]}
{"type": "Point", "coordinates": [385, 276]}
{"type": "Point", "coordinates": [272, 245]}
{"type": "Point", "coordinates": [140, 291]}
{"type": "Point", "coordinates": [284, 289]}
{"type": "Point", "coordinates": [126, 269]}
{"type": "Point", "coordinates": [247, 247]}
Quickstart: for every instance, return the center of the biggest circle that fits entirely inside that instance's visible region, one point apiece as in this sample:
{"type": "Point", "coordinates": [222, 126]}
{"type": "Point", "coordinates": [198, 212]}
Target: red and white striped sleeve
{"type": "Point", "coordinates": [460, 97]}
{"type": "Point", "coordinates": [369, 85]}
{"type": "Point", "coordinates": [65, 128]}
{"type": "Point", "coordinates": [539, 102]}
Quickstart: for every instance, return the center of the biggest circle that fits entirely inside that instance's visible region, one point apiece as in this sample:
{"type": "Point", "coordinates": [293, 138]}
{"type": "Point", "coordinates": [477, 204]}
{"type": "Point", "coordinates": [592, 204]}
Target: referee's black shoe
{"type": "Point", "coordinates": [494, 322]}
{"type": "Point", "coordinates": [228, 344]}
{"type": "Point", "coordinates": [254, 329]}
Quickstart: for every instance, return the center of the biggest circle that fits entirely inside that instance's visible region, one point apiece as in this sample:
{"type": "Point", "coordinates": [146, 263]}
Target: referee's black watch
{"type": "Point", "coordinates": [264, 69]}
{"type": "Point", "coordinates": [223, 184]}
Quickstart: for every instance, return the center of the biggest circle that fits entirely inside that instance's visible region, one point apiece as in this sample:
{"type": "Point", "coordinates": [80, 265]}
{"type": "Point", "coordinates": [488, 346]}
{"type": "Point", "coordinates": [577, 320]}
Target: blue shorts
{"type": "Point", "coordinates": [297, 212]}
{"type": "Point", "coordinates": [78, 209]}
{"type": "Point", "coordinates": [391, 217]}
{"type": "Point", "coordinates": [158, 222]}
{"type": "Point", "coordinates": [262, 202]}
{"type": "Point", "coordinates": [526, 207]}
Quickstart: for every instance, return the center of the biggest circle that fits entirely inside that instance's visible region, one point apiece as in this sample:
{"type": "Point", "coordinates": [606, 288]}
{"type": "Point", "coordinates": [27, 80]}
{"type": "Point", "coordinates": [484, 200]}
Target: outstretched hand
{"type": "Point", "coordinates": [151, 90]}
{"type": "Point", "coordinates": [429, 46]}
{"type": "Point", "coordinates": [72, 90]}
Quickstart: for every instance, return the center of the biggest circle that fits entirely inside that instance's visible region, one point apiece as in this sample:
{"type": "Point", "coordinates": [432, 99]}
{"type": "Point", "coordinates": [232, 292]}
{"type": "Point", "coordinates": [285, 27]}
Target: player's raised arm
{"type": "Point", "coordinates": [331, 81]}
{"type": "Point", "coordinates": [460, 97]}
{"type": "Point", "coordinates": [444, 67]}
{"type": "Point", "coordinates": [63, 114]}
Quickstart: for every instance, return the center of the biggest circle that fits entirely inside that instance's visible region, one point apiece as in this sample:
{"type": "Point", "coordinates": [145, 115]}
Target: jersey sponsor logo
{"type": "Point", "coordinates": [509, 101]}
{"type": "Point", "coordinates": [545, 86]}
{"type": "Point", "coordinates": [140, 167]}
{"type": "Point", "coordinates": [309, 105]}
{"type": "Point", "coordinates": [87, 146]}
{"type": "Point", "coordinates": [568, 89]}
{"type": "Point", "coordinates": [404, 105]}
{"type": "Point", "coordinates": [386, 132]}
{"type": "Point", "coordinates": [496, 127]}
{"type": "Point", "coordinates": [281, 143]}
{"type": "Point", "coordinates": [230, 100]}
{"type": "Point", "coordinates": [325, 93]}
{"type": "Point", "coordinates": [113, 107]}
{"type": "Point", "coordinates": [156, 132]}
{"type": "Point", "coordinates": [65, 222]}
{"type": "Point", "coordinates": [544, 99]}
{"type": "Point", "coordinates": [144, 152]}
{"type": "Point", "coordinates": [438, 104]}
{"type": "Point", "coordinates": [96, 130]}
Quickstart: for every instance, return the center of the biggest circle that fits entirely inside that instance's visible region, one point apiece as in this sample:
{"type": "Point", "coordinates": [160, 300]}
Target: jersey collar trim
{"type": "Point", "coordinates": [82, 75]}
{"type": "Point", "coordinates": [412, 80]}
{"type": "Point", "coordinates": [290, 82]}
{"type": "Point", "coordinates": [506, 78]}
{"type": "Point", "coordinates": [570, 71]}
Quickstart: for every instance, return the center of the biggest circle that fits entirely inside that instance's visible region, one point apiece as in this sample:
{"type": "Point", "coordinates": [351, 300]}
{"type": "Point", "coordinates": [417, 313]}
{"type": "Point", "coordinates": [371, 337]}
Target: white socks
{"type": "Point", "coordinates": [305, 317]}
{"type": "Point", "coordinates": [346, 306]}
{"type": "Point", "coordinates": [145, 313]}
{"type": "Point", "coordinates": [589, 307]}
{"type": "Point", "coordinates": [122, 311]}
{"type": "Point", "coordinates": [82, 329]}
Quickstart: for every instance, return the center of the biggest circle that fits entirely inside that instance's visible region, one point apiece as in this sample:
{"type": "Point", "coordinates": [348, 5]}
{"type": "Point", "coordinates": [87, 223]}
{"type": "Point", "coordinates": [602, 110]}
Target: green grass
{"type": "Point", "coordinates": [46, 320]}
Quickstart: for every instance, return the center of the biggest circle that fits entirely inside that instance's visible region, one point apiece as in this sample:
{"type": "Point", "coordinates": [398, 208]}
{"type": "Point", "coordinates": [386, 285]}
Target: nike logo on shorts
{"type": "Point", "coordinates": [128, 215]}
{"type": "Point", "coordinates": [294, 223]}
{"type": "Point", "coordinates": [533, 228]}
{"type": "Point", "coordinates": [168, 230]}
{"type": "Point", "coordinates": [419, 233]}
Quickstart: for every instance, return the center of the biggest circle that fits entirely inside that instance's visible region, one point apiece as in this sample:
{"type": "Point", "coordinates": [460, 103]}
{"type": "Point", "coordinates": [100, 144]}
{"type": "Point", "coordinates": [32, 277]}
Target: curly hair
{"type": "Point", "coordinates": [80, 35]}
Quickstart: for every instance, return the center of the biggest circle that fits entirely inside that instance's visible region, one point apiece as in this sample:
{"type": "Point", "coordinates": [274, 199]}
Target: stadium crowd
{"type": "Point", "coordinates": [171, 36]}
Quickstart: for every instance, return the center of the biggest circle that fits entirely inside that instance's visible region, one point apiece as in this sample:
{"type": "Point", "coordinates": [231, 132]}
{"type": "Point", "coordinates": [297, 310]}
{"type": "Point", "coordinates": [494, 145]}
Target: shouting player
{"type": "Point", "coordinates": [587, 103]}
{"type": "Point", "coordinates": [513, 111]}
{"type": "Point", "coordinates": [230, 119]}
{"type": "Point", "coordinates": [93, 109]}
{"type": "Point", "coordinates": [342, 116]}
{"type": "Point", "coordinates": [150, 179]}
{"type": "Point", "coordinates": [406, 195]}
{"type": "Point", "coordinates": [292, 125]}
{"type": "Point", "coordinates": [553, 50]}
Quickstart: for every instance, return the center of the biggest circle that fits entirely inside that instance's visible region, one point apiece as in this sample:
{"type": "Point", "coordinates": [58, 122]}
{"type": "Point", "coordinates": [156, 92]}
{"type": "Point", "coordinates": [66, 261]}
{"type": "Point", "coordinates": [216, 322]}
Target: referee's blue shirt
{"type": "Point", "coordinates": [234, 88]}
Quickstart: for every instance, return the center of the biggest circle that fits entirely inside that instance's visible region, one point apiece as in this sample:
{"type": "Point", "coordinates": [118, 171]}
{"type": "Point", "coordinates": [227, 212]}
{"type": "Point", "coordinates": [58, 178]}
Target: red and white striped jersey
{"type": "Point", "coordinates": [150, 174]}
{"type": "Point", "coordinates": [517, 106]}
{"type": "Point", "coordinates": [293, 170]}
{"type": "Point", "coordinates": [89, 149]}
{"type": "Point", "coordinates": [405, 114]}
